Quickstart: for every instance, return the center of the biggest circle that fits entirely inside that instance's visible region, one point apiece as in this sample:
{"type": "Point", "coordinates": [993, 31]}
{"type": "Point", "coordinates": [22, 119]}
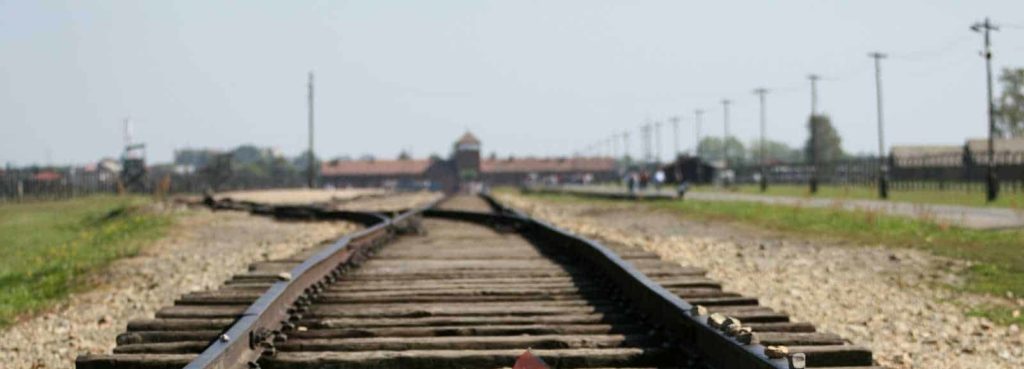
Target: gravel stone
{"type": "Point", "coordinates": [199, 253]}
{"type": "Point", "coordinates": [299, 195]}
{"type": "Point", "coordinates": [889, 299]}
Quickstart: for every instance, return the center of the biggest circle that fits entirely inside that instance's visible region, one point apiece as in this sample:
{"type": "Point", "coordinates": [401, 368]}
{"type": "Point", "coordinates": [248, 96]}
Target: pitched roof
{"type": "Point", "coordinates": [468, 138]}
{"type": "Point", "coordinates": [1007, 150]}
{"type": "Point", "coordinates": [547, 165]}
{"type": "Point", "coordinates": [927, 155]}
{"type": "Point", "coordinates": [980, 145]}
{"type": "Point", "coordinates": [926, 150]}
{"type": "Point", "coordinates": [46, 176]}
{"type": "Point", "coordinates": [374, 167]}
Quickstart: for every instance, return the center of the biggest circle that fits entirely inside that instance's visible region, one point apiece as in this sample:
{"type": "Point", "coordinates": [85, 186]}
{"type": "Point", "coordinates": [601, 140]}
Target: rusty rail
{"type": "Point", "coordinates": [679, 325]}
{"type": "Point", "coordinates": [253, 333]}
{"type": "Point", "coordinates": [677, 317]}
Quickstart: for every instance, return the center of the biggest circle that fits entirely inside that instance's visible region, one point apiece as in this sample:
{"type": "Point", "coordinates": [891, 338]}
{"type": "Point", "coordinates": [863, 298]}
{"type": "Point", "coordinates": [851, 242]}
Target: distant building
{"type": "Point", "coordinates": [463, 168]}
{"type": "Point", "coordinates": [927, 155]}
{"type": "Point", "coordinates": [974, 151]}
{"type": "Point", "coordinates": [373, 173]}
{"type": "Point", "coordinates": [967, 162]}
{"type": "Point", "coordinates": [1007, 150]}
{"type": "Point", "coordinates": [691, 169]}
{"type": "Point", "coordinates": [47, 176]}
{"type": "Point", "coordinates": [105, 170]}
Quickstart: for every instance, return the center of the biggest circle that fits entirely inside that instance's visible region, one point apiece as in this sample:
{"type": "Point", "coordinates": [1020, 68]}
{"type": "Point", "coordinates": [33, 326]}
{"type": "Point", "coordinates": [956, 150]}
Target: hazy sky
{"type": "Point", "coordinates": [528, 77]}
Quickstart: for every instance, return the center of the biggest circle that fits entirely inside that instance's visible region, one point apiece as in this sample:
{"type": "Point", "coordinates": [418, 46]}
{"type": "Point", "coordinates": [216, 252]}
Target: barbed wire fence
{"type": "Point", "coordinates": [916, 172]}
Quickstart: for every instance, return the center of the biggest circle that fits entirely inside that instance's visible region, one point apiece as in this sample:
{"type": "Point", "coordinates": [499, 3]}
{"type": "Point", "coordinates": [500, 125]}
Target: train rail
{"type": "Point", "coordinates": [469, 283]}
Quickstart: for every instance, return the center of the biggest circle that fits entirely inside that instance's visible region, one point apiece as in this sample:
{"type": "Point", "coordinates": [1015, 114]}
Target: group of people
{"type": "Point", "coordinates": [640, 180]}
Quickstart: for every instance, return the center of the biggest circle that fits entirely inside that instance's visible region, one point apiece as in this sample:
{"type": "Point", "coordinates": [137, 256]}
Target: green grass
{"type": "Point", "coordinates": [997, 256]}
{"type": "Point", "coordinates": [999, 314]}
{"type": "Point", "coordinates": [920, 196]}
{"type": "Point", "coordinates": [50, 248]}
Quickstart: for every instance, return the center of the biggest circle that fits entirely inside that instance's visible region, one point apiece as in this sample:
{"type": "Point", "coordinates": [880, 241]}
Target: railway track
{"type": "Point", "coordinates": [467, 283]}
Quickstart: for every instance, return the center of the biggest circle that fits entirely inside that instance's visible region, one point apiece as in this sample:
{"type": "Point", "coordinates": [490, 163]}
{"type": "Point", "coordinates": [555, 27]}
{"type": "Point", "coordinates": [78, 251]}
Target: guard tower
{"type": "Point", "coordinates": [133, 162]}
{"type": "Point", "coordinates": [467, 159]}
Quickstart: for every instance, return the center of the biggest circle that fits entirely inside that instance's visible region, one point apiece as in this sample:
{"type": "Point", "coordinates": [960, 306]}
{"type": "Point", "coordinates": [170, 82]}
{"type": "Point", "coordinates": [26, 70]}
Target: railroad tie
{"type": "Point", "coordinates": [465, 295]}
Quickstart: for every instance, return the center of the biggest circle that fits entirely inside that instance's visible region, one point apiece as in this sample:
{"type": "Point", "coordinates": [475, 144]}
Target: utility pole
{"type": "Point", "coordinates": [675, 137]}
{"type": "Point", "coordinates": [725, 138]}
{"type": "Point", "coordinates": [814, 132]}
{"type": "Point", "coordinates": [626, 145]}
{"type": "Point", "coordinates": [698, 114]}
{"type": "Point", "coordinates": [991, 181]}
{"type": "Point", "coordinates": [646, 134]}
{"type": "Point", "coordinates": [311, 170]}
{"type": "Point", "coordinates": [761, 92]}
{"type": "Point", "coordinates": [883, 168]}
{"type": "Point", "coordinates": [649, 137]}
{"type": "Point", "coordinates": [615, 145]}
{"type": "Point", "coordinates": [657, 143]}
{"type": "Point", "coordinates": [642, 141]}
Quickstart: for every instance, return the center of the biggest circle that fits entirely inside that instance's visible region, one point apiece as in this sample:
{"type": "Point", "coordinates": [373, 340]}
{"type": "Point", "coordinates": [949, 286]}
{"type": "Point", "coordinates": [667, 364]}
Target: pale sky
{"type": "Point", "coordinates": [527, 77]}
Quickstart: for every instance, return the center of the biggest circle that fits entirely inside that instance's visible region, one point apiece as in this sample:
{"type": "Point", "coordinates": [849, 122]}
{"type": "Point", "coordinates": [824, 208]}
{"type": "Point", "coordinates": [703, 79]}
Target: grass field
{"type": "Point", "coordinates": [997, 256]}
{"type": "Point", "coordinates": [920, 196]}
{"type": "Point", "coordinates": [50, 248]}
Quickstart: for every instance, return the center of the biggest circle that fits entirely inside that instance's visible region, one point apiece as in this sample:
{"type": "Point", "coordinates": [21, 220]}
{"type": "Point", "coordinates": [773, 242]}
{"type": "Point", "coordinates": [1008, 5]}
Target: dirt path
{"type": "Point", "coordinates": [883, 298]}
{"type": "Point", "coordinates": [200, 252]}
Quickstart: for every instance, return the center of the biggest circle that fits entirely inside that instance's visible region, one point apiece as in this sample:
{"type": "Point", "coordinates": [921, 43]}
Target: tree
{"type": "Point", "coordinates": [404, 155]}
{"type": "Point", "coordinates": [774, 152]}
{"type": "Point", "coordinates": [217, 171]}
{"type": "Point", "coordinates": [829, 146]}
{"type": "Point", "coordinates": [1009, 112]}
{"type": "Point", "coordinates": [249, 154]}
{"type": "Point", "coordinates": [301, 163]}
{"type": "Point", "coordinates": [710, 148]}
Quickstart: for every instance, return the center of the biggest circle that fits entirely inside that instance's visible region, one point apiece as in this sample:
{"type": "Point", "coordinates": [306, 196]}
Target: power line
{"type": "Point", "coordinates": [931, 53]}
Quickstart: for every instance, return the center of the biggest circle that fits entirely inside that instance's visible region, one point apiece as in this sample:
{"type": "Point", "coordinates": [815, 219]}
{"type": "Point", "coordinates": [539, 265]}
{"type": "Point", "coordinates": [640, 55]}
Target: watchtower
{"type": "Point", "coordinates": [467, 158]}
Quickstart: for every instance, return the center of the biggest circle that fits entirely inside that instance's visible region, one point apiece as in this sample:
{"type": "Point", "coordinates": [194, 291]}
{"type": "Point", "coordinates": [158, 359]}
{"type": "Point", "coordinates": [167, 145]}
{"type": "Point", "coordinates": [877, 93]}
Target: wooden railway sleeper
{"type": "Point", "coordinates": [729, 309]}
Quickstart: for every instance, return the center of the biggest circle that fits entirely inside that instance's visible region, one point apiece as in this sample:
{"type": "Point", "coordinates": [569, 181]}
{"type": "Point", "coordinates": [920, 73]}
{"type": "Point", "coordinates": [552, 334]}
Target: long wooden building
{"type": "Point", "coordinates": [464, 167]}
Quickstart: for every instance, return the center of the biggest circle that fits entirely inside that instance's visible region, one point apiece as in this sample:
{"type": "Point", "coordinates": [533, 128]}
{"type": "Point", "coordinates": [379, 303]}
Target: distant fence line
{"type": "Point", "coordinates": [937, 171]}
{"type": "Point", "coordinates": [26, 184]}
{"type": "Point", "coordinates": [941, 172]}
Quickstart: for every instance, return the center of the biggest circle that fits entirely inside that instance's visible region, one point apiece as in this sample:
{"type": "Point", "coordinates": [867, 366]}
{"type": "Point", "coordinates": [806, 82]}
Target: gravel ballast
{"type": "Point", "coordinates": [891, 300]}
{"type": "Point", "coordinates": [200, 252]}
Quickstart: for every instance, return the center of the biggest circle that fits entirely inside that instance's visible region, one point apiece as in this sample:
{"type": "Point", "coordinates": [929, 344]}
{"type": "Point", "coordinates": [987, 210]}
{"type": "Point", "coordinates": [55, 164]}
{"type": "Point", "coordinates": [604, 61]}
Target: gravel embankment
{"type": "Point", "coordinates": [202, 251]}
{"type": "Point", "coordinates": [299, 195]}
{"type": "Point", "coordinates": [890, 300]}
{"type": "Point", "coordinates": [387, 202]}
